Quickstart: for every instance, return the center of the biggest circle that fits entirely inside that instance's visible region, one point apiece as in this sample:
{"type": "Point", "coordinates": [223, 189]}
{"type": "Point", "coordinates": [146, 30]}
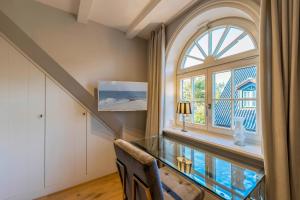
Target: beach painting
{"type": "Point", "coordinates": [122, 96]}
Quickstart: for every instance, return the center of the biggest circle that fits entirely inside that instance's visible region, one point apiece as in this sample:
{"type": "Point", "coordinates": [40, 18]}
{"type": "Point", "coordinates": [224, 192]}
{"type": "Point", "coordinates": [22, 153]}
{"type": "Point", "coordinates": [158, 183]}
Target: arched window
{"type": "Point", "coordinates": [218, 43]}
{"type": "Point", "coordinates": [217, 73]}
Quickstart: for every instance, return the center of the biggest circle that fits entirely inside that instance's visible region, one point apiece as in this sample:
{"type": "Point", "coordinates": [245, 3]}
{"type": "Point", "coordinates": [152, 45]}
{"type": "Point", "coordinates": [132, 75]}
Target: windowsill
{"type": "Point", "coordinates": [222, 141]}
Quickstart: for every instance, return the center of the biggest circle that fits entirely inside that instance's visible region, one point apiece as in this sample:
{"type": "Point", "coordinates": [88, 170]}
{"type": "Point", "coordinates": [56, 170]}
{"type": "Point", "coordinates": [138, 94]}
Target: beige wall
{"type": "Point", "coordinates": [89, 52]}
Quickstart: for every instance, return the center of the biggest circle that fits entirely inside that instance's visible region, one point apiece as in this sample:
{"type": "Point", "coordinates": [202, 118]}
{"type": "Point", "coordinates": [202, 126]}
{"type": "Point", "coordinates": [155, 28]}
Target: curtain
{"type": "Point", "coordinates": [156, 59]}
{"type": "Point", "coordinates": [279, 80]}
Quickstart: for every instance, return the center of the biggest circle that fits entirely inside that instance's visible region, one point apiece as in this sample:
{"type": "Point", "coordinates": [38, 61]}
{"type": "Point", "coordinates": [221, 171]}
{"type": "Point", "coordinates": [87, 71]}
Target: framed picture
{"type": "Point", "coordinates": [122, 96]}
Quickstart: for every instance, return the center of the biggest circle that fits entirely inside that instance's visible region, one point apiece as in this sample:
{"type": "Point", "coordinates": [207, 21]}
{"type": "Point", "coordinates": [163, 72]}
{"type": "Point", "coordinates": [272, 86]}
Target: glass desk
{"type": "Point", "coordinates": [225, 178]}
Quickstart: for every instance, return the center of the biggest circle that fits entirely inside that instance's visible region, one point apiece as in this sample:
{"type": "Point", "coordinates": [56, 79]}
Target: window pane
{"type": "Point", "coordinates": [199, 88]}
{"type": "Point", "coordinates": [188, 118]}
{"type": "Point", "coordinates": [222, 85]}
{"type": "Point", "coordinates": [216, 36]}
{"type": "Point", "coordinates": [187, 152]}
{"type": "Point", "coordinates": [188, 62]}
{"type": "Point", "coordinates": [203, 42]}
{"type": "Point", "coordinates": [243, 45]}
{"type": "Point", "coordinates": [194, 51]}
{"type": "Point", "coordinates": [245, 82]}
{"type": "Point", "coordinates": [199, 113]}
{"type": "Point", "coordinates": [186, 89]}
{"type": "Point", "coordinates": [231, 36]}
{"type": "Point", "coordinates": [199, 162]}
{"type": "Point", "coordinates": [246, 110]}
{"type": "Point", "coordinates": [223, 172]}
{"type": "Point", "coordinates": [221, 111]}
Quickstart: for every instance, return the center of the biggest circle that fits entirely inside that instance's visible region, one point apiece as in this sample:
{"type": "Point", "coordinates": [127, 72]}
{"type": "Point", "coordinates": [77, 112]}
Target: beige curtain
{"type": "Point", "coordinates": [279, 76]}
{"type": "Point", "coordinates": [156, 67]}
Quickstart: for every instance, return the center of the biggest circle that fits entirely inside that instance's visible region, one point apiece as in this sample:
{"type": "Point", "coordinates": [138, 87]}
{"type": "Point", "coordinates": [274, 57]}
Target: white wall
{"type": "Point", "coordinates": [89, 52]}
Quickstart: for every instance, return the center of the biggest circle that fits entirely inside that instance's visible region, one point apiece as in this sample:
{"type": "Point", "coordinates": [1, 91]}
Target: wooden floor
{"type": "Point", "coordinates": [105, 188]}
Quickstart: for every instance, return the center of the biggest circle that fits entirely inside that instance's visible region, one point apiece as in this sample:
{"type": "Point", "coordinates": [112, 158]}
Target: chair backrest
{"type": "Point", "coordinates": [139, 172]}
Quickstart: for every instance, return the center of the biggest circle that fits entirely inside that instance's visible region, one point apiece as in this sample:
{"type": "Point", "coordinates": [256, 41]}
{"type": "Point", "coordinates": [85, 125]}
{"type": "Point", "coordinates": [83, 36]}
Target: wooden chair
{"type": "Point", "coordinates": [143, 180]}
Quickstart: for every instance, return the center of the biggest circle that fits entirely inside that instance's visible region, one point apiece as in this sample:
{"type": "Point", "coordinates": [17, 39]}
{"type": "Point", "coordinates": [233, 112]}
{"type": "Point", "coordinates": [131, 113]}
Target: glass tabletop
{"type": "Point", "coordinates": [226, 178]}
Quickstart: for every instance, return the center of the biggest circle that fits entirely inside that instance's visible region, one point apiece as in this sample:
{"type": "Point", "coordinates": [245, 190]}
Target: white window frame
{"type": "Point", "coordinates": [192, 75]}
{"type": "Point", "coordinates": [241, 60]}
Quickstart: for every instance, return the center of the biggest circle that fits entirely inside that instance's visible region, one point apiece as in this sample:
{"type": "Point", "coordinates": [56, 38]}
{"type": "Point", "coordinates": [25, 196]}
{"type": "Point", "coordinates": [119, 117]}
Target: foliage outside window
{"type": "Point", "coordinates": [193, 90]}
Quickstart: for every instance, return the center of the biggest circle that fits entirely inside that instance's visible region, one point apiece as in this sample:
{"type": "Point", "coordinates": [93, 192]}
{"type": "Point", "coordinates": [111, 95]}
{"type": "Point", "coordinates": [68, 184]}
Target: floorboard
{"type": "Point", "coordinates": [105, 188]}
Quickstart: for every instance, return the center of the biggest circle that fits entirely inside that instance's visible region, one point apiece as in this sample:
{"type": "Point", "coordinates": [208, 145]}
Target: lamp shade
{"type": "Point", "coordinates": [184, 108]}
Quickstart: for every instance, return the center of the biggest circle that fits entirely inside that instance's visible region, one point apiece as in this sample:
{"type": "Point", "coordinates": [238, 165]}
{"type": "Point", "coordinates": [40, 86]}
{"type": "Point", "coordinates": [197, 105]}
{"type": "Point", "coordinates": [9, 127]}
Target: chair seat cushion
{"type": "Point", "coordinates": [178, 188]}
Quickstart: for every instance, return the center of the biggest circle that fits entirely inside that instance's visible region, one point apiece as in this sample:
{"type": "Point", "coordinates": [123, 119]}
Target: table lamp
{"type": "Point", "coordinates": [184, 108]}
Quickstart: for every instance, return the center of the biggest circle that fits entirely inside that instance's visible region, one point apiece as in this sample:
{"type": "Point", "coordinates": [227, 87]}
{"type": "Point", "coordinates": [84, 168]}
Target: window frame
{"type": "Point", "coordinates": [248, 26]}
{"type": "Point", "coordinates": [229, 67]}
{"type": "Point", "coordinates": [207, 68]}
{"type": "Point", "coordinates": [178, 91]}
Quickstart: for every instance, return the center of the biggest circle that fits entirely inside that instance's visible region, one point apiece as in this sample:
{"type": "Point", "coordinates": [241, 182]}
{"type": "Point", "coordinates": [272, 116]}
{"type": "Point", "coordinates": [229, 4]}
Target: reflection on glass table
{"type": "Point", "coordinates": [225, 178]}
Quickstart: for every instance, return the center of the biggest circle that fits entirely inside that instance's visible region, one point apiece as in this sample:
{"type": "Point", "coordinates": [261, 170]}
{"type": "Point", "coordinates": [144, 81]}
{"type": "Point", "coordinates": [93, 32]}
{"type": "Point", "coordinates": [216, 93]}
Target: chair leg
{"type": "Point", "coordinates": [135, 182]}
{"type": "Point", "coordinates": [133, 189]}
{"type": "Point", "coordinates": [122, 170]}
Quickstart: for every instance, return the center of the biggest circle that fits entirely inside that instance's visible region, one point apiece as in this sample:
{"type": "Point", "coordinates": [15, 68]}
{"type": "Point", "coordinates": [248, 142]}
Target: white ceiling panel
{"type": "Point", "coordinates": [70, 6]}
{"type": "Point", "coordinates": [117, 13]}
{"type": "Point", "coordinates": [131, 16]}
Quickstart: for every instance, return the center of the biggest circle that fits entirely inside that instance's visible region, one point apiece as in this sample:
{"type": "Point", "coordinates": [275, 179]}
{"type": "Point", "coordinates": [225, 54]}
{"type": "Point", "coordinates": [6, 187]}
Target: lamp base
{"type": "Point", "coordinates": [183, 124]}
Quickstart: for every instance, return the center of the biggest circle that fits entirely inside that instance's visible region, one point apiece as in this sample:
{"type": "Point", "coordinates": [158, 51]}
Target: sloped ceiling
{"type": "Point", "coordinates": [134, 17]}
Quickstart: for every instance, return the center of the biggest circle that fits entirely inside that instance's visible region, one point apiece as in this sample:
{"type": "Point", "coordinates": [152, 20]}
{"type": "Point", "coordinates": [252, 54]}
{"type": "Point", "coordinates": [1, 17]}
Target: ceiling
{"type": "Point", "coordinates": [134, 17]}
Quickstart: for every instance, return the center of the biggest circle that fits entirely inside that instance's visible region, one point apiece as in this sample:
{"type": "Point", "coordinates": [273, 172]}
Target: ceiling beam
{"type": "Point", "coordinates": [140, 22]}
{"type": "Point", "coordinates": [84, 11]}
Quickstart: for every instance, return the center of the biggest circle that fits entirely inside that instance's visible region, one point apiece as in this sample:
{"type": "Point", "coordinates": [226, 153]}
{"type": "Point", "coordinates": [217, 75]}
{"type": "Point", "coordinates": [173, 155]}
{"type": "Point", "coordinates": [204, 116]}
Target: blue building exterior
{"type": "Point", "coordinates": [243, 86]}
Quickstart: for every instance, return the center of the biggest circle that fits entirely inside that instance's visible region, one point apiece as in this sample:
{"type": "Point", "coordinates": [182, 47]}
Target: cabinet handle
{"type": "Point", "coordinates": [41, 116]}
{"type": "Point", "coordinates": [83, 113]}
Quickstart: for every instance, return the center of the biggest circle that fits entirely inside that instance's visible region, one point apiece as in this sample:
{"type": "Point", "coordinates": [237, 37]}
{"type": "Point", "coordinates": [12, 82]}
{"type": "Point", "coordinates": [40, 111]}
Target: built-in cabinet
{"type": "Point", "coordinates": [22, 110]}
{"type": "Point", "coordinates": [65, 139]}
{"type": "Point", "coordinates": [48, 141]}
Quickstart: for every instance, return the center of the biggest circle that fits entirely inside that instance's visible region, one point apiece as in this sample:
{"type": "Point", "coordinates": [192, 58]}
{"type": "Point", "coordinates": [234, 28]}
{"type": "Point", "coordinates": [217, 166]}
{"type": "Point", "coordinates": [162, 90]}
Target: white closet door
{"type": "Point", "coordinates": [65, 138]}
{"type": "Point", "coordinates": [22, 104]}
{"type": "Point", "coordinates": [99, 140]}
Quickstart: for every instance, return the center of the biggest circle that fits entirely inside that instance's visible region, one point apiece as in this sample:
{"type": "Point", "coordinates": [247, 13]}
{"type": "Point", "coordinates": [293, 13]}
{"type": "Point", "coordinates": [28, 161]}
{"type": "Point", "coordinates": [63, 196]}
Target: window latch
{"type": "Point", "coordinates": [209, 106]}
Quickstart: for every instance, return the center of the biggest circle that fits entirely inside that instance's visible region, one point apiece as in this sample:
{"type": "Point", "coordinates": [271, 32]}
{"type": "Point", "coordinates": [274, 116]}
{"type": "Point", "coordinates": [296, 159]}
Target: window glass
{"type": "Point", "coordinates": [243, 101]}
{"type": "Point", "coordinates": [199, 112]}
{"type": "Point", "coordinates": [195, 52]}
{"type": "Point", "coordinates": [245, 80]}
{"type": "Point", "coordinates": [188, 62]}
{"type": "Point", "coordinates": [216, 36]}
{"type": "Point", "coordinates": [219, 96]}
{"type": "Point", "coordinates": [186, 89]}
{"type": "Point", "coordinates": [223, 172]}
{"type": "Point", "coordinates": [199, 162]}
{"type": "Point", "coordinates": [203, 43]}
{"type": "Point", "coordinates": [245, 95]}
{"type": "Point", "coordinates": [222, 85]}
{"type": "Point", "coordinates": [199, 88]}
{"type": "Point", "coordinates": [194, 90]}
{"type": "Point", "coordinates": [219, 42]}
{"type": "Point", "coordinates": [245, 44]}
{"type": "Point", "coordinates": [221, 110]}
{"type": "Point", "coordinates": [233, 34]}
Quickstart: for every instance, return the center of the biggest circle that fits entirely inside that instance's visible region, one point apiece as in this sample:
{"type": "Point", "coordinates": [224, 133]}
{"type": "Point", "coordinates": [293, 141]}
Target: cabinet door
{"type": "Point", "coordinates": [99, 140]}
{"type": "Point", "coordinates": [22, 105]}
{"type": "Point", "coordinates": [65, 138]}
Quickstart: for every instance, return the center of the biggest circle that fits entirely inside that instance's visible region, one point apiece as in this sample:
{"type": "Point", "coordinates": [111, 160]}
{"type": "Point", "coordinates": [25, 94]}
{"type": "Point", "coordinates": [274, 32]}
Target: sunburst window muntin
{"type": "Point", "coordinates": [217, 43]}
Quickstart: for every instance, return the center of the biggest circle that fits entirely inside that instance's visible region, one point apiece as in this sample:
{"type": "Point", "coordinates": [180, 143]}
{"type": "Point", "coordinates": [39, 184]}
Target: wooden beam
{"type": "Point", "coordinates": [84, 11]}
{"type": "Point", "coordinates": [140, 22]}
